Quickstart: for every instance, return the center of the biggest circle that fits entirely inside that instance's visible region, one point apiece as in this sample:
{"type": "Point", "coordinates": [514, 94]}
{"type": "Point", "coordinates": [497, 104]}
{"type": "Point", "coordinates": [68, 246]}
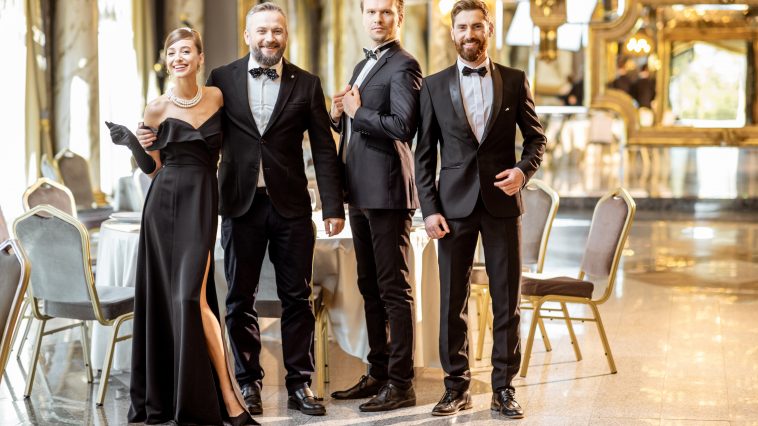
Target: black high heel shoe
{"type": "Point", "coordinates": [243, 419]}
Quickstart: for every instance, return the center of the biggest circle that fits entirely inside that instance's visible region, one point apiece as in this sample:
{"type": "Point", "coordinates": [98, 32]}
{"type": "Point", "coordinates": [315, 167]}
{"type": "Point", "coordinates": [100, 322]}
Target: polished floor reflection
{"type": "Point", "coordinates": [584, 158]}
{"type": "Point", "coordinates": [682, 323]}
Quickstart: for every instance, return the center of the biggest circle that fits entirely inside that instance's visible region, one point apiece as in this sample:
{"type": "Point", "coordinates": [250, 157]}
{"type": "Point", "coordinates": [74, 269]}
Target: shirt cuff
{"type": "Point", "coordinates": [522, 175]}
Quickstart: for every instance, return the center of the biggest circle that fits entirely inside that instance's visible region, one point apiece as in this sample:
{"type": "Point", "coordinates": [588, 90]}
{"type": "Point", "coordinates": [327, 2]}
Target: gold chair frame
{"type": "Point", "coordinates": [6, 345]}
{"type": "Point", "coordinates": [538, 301]}
{"type": "Point", "coordinates": [116, 323]}
{"type": "Point", "coordinates": [481, 290]}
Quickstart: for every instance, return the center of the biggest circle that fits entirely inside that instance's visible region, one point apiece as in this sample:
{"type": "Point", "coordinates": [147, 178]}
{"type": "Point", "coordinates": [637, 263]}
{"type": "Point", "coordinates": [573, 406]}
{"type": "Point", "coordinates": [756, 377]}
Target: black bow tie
{"type": "Point", "coordinates": [270, 72]}
{"type": "Point", "coordinates": [482, 71]}
{"type": "Point", "coordinates": [370, 54]}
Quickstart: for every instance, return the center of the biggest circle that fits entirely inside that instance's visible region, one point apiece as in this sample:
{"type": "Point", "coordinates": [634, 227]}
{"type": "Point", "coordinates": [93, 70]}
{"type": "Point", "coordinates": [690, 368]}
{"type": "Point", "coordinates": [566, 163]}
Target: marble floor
{"type": "Point", "coordinates": [682, 323]}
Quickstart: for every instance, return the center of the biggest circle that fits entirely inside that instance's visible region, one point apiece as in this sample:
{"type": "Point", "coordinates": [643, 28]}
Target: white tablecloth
{"type": "Point", "coordinates": [334, 257]}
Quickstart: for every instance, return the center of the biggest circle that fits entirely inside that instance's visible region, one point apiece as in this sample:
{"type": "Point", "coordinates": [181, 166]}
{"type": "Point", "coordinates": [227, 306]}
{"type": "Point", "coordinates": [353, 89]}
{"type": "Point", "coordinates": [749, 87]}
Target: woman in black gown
{"type": "Point", "coordinates": [180, 369]}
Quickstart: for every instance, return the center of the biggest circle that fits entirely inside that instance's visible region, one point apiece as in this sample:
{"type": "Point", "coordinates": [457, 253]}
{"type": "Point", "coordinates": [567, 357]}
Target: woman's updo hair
{"type": "Point", "coordinates": [184, 33]}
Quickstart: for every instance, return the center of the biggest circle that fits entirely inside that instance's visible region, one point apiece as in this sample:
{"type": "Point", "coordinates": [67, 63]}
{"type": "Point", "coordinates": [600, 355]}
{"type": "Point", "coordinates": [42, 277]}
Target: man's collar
{"type": "Point", "coordinates": [484, 63]}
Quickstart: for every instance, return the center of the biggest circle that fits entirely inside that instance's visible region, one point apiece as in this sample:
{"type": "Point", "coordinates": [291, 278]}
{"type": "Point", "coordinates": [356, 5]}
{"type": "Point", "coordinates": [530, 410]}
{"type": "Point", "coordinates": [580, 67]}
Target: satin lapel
{"type": "Point", "coordinates": [457, 99]}
{"type": "Point", "coordinates": [240, 75]}
{"type": "Point", "coordinates": [383, 60]}
{"type": "Point", "coordinates": [497, 99]}
{"type": "Point", "coordinates": [357, 72]}
{"type": "Point", "coordinates": [289, 77]}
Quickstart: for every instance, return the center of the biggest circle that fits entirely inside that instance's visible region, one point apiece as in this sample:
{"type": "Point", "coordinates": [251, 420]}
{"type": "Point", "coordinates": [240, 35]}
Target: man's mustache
{"type": "Point", "coordinates": [270, 45]}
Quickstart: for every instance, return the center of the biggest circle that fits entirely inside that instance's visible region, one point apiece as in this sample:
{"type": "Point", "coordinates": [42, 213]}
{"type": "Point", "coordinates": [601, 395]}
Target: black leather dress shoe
{"type": "Point", "coordinates": [302, 399]}
{"type": "Point", "coordinates": [390, 397]}
{"type": "Point", "coordinates": [504, 402]}
{"type": "Point", "coordinates": [252, 399]}
{"type": "Point", "coordinates": [452, 402]}
{"type": "Point", "coordinates": [366, 387]}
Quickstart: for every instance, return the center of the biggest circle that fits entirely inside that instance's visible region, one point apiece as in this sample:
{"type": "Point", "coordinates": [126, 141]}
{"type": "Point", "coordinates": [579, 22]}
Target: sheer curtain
{"type": "Point", "coordinates": [13, 104]}
{"type": "Point", "coordinates": [121, 87]}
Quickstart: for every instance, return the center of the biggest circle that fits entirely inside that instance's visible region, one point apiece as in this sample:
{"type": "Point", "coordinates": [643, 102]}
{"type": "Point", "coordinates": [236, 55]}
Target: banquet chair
{"type": "Point", "coordinates": [609, 229]}
{"type": "Point", "coordinates": [49, 168]}
{"type": "Point", "coordinates": [14, 277]}
{"type": "Point", "coordinates": [268, 305]}
{"type": "Point", "coordinates": [47, 191]}
{"type": "Point", "coordinates": [62, 286]}
{"type": "Point", "coordinates": [74, 171]}
{"type": "Point", "coordinates": [540, 208]}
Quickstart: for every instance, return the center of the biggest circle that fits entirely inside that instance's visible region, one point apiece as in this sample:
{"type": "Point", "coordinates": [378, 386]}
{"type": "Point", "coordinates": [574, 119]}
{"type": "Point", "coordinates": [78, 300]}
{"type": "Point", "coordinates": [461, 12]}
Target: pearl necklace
{"type": "Point", "coordinates": [185, 103]}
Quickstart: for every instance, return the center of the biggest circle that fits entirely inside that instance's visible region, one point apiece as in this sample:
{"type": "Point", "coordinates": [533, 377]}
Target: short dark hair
{"type": "Point", "coordinates": [463, 5]}
{"type": "Point", "coordinates": [400, 4]}
{"type": "Point", "coordinates": [184, 33]}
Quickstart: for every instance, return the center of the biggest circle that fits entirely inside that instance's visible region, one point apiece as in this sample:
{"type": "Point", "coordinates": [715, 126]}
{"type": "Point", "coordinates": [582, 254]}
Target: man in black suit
{"type": "Point", "coordinates": [470, 111]}
{"type": "Point", "coordinates": [268, 104]}
{"type": "Point", "coordinates": [376, 115]}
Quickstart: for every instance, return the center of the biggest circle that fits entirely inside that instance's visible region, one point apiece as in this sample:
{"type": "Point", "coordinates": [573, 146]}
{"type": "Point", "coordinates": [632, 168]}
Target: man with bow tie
{"type": "Point", "coordinates": [469, 112]}
{"type": "Point", "coordinates": [376, 116]}
{"type": "Point", "coordinates": [268, 105]}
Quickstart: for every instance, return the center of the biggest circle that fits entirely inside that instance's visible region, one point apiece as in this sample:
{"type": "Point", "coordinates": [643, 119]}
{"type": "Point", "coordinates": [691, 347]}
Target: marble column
{"type": "Point", "coordinates": [75, 82]}
{"type": "Point", "coordinates": [184, 13]}
{"type": "Point", "coordinates": [442, 52]}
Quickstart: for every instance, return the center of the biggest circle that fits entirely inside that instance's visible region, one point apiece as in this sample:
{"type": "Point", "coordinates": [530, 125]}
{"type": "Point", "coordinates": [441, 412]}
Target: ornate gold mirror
{"type": "Point", "coordinates": [680, 73]}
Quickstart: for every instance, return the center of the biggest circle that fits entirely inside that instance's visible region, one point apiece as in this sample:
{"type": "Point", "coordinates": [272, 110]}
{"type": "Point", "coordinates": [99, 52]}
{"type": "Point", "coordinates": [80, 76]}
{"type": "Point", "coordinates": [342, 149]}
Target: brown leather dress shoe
{"type": "Point", "coordinates": [452, 402]}
{"type": "Point", "coordinates": [504, 402]}
{"type": "Point", "coordinates": [366, 387]}
{"type": "Point", "coordinates": [390, 397]}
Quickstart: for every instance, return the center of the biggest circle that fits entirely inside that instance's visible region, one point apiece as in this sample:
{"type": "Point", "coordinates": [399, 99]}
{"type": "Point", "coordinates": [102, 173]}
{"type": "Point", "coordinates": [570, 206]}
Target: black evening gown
{"type": "Point", "coordinates": [173, 379]}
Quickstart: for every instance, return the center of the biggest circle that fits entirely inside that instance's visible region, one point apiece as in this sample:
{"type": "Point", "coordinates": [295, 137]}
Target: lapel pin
{"type": "Point", "coordinates": [292, 76]}
{"type": "Point", "coordinates": [507, 109]}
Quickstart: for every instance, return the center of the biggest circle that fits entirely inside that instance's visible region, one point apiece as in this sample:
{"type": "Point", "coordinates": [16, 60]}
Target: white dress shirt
{"type": "Point", "coordinates": [262, 93]}
{"type": "Point", "coordinates": [358, 81]}
{"type": "Point", "coordinates": [476, 92]}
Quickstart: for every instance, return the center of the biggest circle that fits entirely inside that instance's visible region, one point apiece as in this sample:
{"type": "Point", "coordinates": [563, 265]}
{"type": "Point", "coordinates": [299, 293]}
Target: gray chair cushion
{"type": "Point", "coordinates": [605, 232]}
{"type": "Point", "coordinates": [114, 302]}
{"type": "Point", "coordinates": [4, 235]}
{"type": "Point", "coordinates": [92, 218]}
{"type": "Point", "coordinates": [10, 278]}
{"type": "Point", "coordinates": [561, 286]}
{"type": "Point", "coordinates": [537, 205]}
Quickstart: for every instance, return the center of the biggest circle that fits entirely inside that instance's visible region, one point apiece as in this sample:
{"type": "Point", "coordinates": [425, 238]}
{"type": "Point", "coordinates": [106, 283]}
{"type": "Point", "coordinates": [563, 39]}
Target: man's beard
{"type": "Point", "coordinates": [471, 54]}
{"type": "Point", "coordinates": [265, 60]}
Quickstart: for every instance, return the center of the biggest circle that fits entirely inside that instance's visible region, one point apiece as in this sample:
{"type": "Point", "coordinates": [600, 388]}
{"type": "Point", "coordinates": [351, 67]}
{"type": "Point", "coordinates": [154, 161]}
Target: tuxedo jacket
{"type": "Point", "coordinates": [468, 168]}
{"type": "Point", "coordinates": [379, 162]}
{"type": "Point", "coordinates": [299, 107]}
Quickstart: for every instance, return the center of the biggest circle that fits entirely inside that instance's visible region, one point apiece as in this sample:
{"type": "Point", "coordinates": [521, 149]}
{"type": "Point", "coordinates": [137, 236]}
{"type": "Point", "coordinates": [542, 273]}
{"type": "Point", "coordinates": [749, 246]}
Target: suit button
{"type": "Point", "coordinates": [263, 141]}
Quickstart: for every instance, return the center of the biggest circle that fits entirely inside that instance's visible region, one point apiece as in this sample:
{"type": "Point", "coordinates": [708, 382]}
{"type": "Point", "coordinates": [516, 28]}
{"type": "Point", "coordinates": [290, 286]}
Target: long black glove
{"type": "Point", "coordinates": [120, 135]}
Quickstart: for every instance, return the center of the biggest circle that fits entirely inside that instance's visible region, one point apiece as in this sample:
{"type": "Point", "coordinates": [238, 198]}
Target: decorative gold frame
{"type": "Point", "coordinates": [538, 301]}
{"type": "Point", "coordinates": [602, 53]}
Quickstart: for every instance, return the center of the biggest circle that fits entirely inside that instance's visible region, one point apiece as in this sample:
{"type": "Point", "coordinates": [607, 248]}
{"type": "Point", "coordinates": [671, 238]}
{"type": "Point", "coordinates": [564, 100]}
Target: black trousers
{"type": "Point", "coordinates": [290, 245]}
{"type": "Point", "coordinates": [382, 249]}
{"type": "Point", "coordinates": [502, 252]}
